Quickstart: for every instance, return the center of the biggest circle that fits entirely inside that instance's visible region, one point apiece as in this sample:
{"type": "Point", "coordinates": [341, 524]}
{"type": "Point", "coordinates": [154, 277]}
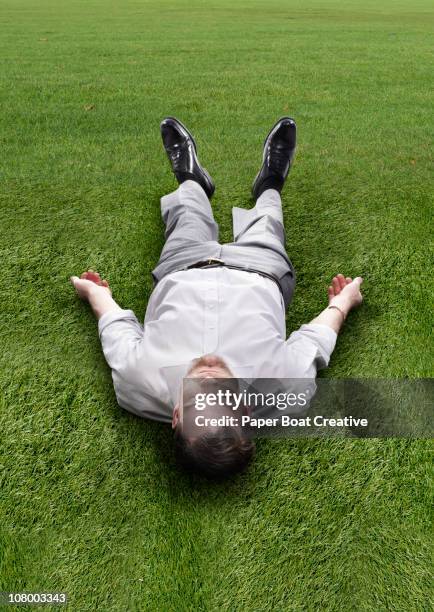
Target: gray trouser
{"type": "Point", "coordinates": [192, 236]}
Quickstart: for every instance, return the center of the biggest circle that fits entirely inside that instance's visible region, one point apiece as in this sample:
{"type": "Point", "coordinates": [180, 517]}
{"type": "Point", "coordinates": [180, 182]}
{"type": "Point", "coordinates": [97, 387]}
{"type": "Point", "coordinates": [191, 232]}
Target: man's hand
{"type": "Point", "coordinates": [87, 283]}
{"type": "Point", "coordinates": [93, 289]}
{"type": "Point", "coordinates": [345, 293]}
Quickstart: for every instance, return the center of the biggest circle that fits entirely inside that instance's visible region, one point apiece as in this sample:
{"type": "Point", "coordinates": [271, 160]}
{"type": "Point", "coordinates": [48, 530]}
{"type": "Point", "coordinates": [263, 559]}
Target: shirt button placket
{"type": "Point", "coordinates": [211, 316]}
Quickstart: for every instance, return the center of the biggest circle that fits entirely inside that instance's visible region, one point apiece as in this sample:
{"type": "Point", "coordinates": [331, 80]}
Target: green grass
{"type": "Point", "coordinates": [91, 501]}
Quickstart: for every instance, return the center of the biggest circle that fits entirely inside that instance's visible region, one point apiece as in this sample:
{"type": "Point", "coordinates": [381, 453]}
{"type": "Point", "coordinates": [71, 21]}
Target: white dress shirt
{"type": "Point", "coordinates": [236, 315]}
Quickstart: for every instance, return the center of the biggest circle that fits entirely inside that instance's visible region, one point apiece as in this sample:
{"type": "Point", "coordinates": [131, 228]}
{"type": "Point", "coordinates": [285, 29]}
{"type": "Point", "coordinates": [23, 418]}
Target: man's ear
{"type": "Point", "coordinates": [175, 416]}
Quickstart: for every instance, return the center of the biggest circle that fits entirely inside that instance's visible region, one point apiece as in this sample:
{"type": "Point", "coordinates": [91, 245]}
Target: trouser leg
{"type": "Point", "coordinates": [259, 241]}
{"type": "Point", "coordinates": [188, 216]}
{"type": "Point", "coordinates": [262, 224]}
{"type": "Point", "coordinates": [191, 231]}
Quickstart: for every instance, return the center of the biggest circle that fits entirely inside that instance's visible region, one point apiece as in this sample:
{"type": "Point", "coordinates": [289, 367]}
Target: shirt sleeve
{"type": "Point", "coordinates": [309, 349]}
{"type": "Point", "coordinates": [121, 337]}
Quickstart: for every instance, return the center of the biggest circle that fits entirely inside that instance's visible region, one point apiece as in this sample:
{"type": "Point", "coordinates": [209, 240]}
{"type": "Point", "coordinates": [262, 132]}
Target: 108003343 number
{"type": "Point", "coordinates": [41, 598]}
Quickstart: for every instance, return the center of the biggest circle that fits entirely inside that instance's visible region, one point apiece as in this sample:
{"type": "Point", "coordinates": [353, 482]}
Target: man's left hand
{"type": "Point", "coordinates": [87, 282]}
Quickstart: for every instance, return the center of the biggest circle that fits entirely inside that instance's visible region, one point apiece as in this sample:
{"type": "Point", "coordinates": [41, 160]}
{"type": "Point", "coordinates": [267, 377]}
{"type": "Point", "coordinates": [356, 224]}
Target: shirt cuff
{"type": "Point", "coordinates": [327, 334]}
{"type": "Point", "coordinates": [115, 315]}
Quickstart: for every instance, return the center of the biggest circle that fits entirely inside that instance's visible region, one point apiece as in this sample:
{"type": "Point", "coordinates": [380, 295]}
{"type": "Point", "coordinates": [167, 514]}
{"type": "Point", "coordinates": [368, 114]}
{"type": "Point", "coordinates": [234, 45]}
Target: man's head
{"type": "Point", "coordinates": [212, 449]}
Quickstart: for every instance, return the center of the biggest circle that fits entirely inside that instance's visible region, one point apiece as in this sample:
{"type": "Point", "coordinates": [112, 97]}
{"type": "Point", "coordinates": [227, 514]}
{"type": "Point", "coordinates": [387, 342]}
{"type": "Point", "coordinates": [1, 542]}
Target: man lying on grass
{"type": "Point", "coordinates": [218, 310]}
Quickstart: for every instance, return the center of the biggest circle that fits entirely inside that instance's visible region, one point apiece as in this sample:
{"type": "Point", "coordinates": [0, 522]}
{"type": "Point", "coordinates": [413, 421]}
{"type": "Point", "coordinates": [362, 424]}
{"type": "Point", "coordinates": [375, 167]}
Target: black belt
{"type": "Point", "coordinates": [219, 263]}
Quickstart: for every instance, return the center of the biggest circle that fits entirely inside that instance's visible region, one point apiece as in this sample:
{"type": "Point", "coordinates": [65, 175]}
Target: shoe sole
{"type": "Point", "coordinates": [211, 185]}
{"type": "Point", "coordinates": [270, 133]}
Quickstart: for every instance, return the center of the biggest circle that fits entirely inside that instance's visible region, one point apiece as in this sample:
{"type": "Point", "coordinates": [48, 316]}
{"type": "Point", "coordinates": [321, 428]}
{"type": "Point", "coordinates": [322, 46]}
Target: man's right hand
{"type": "Point", "coordinates": [87, 283]}
{"type": "Point", "coordinates": [345, 292]}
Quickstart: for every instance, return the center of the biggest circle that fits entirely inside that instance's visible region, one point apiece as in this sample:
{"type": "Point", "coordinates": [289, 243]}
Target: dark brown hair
{"type": "Point", "coordinates": [216, 453]}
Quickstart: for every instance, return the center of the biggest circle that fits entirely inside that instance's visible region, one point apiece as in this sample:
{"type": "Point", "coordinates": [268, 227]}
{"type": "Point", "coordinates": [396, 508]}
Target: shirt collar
{"type": "Point", "coordinates": [173, 376]}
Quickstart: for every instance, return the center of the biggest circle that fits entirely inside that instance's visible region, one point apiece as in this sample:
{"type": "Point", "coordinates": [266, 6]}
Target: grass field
{"type": "Point", "coordinates": [91, 501]}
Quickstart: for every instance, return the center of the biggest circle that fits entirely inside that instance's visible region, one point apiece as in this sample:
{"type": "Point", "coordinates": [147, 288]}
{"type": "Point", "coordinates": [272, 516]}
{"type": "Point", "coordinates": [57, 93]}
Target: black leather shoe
{"type": "Point", "coordinates": [279, 150]}
{"type": "Point", "coordinates": [181, 151]}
